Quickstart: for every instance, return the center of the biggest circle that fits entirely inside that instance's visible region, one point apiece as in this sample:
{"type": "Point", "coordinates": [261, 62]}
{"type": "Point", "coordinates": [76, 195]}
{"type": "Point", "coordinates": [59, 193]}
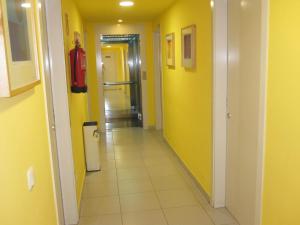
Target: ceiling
{"type": "Point", "coordinates": [110, 11]}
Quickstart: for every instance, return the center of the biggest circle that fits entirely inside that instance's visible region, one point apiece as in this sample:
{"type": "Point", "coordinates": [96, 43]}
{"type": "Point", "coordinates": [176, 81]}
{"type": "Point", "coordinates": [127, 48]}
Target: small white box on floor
{"type": "Point", "coordinates": [91, 142]}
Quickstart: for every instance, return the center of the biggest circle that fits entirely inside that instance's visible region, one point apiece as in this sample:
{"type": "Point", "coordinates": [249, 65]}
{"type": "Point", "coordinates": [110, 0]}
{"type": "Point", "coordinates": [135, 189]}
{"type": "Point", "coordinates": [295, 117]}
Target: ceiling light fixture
{"type": "Point", "coordinates": [120, 21]}
{"type": "Point", "coordinates": [126, 3]}
{"type": "Point", "coordinates": [26, 5]}
{"type": "Point", "coordinates": [108, 46]}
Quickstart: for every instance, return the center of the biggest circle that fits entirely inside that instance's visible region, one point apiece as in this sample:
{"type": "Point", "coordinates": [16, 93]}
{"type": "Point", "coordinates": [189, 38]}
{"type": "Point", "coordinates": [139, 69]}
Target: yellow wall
{"type": "Point", "coordinates": [187, 95]}
{"type": "Point", "coordinates": [150, 74]}
{"type": "Point", "coordinates": [92, 72]}
{"type": "Point", "coordinates": [282, 163]}
{"type": "Point", "coordinates": [77, 102]}
{"type": "Point", "coordinates": [24, 144]}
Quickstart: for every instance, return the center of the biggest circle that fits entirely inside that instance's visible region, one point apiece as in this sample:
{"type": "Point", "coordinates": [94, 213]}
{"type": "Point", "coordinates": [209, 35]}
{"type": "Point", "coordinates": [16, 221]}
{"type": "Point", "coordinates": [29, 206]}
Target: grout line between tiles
{"type": "Point", "coordinates": [170, 155]}
{"type": "Point", "coordinates": [156, 194]}
{"type": "Point", "coordinates": [117, 180]}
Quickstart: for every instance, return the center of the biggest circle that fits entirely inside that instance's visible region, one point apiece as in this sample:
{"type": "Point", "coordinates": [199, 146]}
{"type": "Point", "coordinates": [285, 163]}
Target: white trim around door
{"type": "Point", "coordinates": [48, 96]}
{"type": "Point", "coordinates": [220, 89]}
{"type": "Point", "coordinates": [158, 78]}
{"type": "Point", "coordinates": [263, 109]}
{"type": "Point", "coordinates": [219, 8]}
{"type": "Point", "coordinates": [61, 111]}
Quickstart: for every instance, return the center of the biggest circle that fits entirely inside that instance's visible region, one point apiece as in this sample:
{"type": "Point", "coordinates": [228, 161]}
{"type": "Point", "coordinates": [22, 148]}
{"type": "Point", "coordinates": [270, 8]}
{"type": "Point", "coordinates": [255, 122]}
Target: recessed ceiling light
{"type": "Point", "coordinates": [26, 5]}
{"type": "Point", "coordinates": [120, 21]}
{"type": "Point", "coordinates": [126, 3]}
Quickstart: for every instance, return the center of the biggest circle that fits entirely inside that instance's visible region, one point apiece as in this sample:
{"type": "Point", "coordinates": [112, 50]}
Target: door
{"type": "Point", "coordinates": [109, 67]}
{"type": "Point", "coordinates": [50, 111]}
{"type": "Point", "coordinates": [135, 76]}
{"type": "Point", "coordinates": [244, 80]}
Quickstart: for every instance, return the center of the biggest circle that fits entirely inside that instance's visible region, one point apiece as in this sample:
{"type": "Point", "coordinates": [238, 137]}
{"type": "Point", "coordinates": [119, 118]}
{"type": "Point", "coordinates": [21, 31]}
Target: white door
{"type": "Point", "coordinates": [110, 73]}
{"type": "Point", "coordinates": [244, 80]}
{"type": "Point", "coordinates": [50, 112]}
{"type": "Point", "coordinates": [158, 79]}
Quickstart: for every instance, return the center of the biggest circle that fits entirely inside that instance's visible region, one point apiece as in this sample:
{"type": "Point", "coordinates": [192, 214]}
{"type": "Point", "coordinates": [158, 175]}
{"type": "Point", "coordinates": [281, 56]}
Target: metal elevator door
{"type": "Point", "coordinates": [122, 82]}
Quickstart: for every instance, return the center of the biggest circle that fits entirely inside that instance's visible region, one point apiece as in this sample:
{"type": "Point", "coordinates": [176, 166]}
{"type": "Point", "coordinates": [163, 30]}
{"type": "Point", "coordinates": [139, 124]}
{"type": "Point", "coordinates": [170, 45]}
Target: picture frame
{"type": "Point", "coordinates": [19, 63]}
{"type": "Point", "coordinates": [170, 49]}
{"type": "Point", "coordinates": [188, 47]}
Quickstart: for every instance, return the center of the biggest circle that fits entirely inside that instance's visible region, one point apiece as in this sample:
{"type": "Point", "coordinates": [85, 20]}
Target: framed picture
{"type": "Point", "coordinates": [188, 47]}
{"type": "Point", "coordinates": [19, 67]}
{"type": "Point", "coordinates": [170, 49]}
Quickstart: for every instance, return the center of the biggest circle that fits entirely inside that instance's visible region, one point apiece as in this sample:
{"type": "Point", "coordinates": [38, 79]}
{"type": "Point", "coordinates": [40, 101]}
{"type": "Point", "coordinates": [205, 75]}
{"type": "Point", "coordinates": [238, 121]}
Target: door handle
{"type": "Point", "coordinates": [229, 115]}
{"type": "Point", "coordinates": [118, 83]}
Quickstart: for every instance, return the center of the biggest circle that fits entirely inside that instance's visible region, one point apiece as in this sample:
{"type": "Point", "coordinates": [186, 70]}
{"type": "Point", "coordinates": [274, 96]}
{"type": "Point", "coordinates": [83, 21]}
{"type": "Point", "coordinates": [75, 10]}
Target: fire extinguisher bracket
{"type": "Point", "coordinates": [78, 70]}
{"type": "Point", "coordinates": [78, 90]}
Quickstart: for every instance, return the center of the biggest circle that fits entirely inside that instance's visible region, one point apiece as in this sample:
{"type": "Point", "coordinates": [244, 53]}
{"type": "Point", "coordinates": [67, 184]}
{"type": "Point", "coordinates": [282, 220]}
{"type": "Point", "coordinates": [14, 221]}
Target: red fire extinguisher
{"type": "Point", "coordinates": [78, 69]}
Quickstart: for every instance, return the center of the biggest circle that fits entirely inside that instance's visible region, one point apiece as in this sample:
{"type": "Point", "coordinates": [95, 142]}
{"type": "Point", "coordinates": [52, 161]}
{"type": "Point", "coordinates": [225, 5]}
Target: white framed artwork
{"type": "Point", "coordinates": [188, 47]}
{"type": "Point", "coordinates": [170, 49]}
{"type": "Point", "coordinates": [19, 66]}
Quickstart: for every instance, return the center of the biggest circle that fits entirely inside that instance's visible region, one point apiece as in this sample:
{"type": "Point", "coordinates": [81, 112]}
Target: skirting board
{"type": "Point", "coordinates": [191, 179]}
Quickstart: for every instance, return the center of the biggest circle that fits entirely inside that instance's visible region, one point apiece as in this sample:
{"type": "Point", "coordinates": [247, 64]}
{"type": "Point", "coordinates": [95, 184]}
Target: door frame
{"type": "Point", "coordinates": [117, 29]}
{"type": "Point", "coordinates": [158, 78]}
{"type": "Point", "coordinates": [220, 70]}
{"type": "Point", "coordinates": [46, 78]}
{"type": "Point", "coordinates": [263, 109]}
{"type": "Point", "coordinates": [219, 12]}
{"type": "Point", "coordinates": [62, 127]}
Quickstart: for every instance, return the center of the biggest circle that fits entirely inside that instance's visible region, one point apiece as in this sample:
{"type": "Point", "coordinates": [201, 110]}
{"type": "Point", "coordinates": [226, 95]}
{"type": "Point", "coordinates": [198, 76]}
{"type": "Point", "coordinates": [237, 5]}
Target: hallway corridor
{"type": "Point", "coordinates": [142, 183]}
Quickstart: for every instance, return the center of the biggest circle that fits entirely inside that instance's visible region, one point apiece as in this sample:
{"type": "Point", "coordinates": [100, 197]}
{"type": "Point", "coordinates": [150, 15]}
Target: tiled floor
{"type": "Point", "coordinates": [116, 99]}
{"type": "Point", "coordinates": [142, 183]}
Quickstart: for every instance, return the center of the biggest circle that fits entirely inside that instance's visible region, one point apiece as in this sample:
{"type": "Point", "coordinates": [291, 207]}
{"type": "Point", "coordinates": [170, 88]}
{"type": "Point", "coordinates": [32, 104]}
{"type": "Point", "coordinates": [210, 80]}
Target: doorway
{"type": "Point", "coordinates": [121, 80]}
{"type": "Point", "coordinates": [240, 70]}
{"type": "Point", "coordinates": [158, 77]}
{"type": "Point", "coordinates": [245, 105]}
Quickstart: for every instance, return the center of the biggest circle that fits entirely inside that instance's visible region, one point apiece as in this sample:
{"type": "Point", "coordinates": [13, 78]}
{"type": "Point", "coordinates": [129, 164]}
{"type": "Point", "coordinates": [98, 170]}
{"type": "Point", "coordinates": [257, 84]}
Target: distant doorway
{"type": "Point", "coordinates": [121, 80]}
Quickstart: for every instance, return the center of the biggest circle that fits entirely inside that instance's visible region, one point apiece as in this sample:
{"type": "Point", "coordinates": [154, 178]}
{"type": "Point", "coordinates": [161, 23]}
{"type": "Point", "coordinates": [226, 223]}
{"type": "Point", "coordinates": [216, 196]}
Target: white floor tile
{"type": "Point", "coordinates": [220, 216]}
{"type": "Point", "coordinates": [100, 206]}
{"type": "Point", "coordinates": [157, 161]}
{"type": "Point", "coordinates": [131, 173]}
{"type": "Point", "coordinates": [139, 202]}
{"type": "Point", "coordinates": [192, 215]}
{"type": "Point", "coordinates": [101, 176]}
{"type": "Point", "coordinates": [133, 186]}
{"type": "Point", "coordinates": [132, 155]}
{"type": "Point", "coordinates": [176, 198]}
{"type": "Point", "coordinates": [129, 163]}
{"type": "Point", "coordinates": [114, 219]}
{"type": "Point", "coordinates": [162, 171]}
{"type": "Point", "coordinates": [100, 189]}
{"type": "Point", "coordinates": [169, 182]}
{"type": "Point", "coordinates": [134, 148]}
{"type": "Point", "coordinates": [144, 218]}
{"type": "Point", "coordinates": [108, 165]}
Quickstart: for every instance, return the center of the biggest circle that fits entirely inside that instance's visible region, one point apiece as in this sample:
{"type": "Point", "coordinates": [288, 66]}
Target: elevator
{"type": "Point", "coordinates": [122, 80]}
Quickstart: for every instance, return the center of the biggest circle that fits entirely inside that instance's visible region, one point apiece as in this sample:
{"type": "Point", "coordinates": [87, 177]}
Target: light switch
{"type": "Point", "coordinates": [30, 178]}
{"type": "Point", "coordinates": [144, 75]}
